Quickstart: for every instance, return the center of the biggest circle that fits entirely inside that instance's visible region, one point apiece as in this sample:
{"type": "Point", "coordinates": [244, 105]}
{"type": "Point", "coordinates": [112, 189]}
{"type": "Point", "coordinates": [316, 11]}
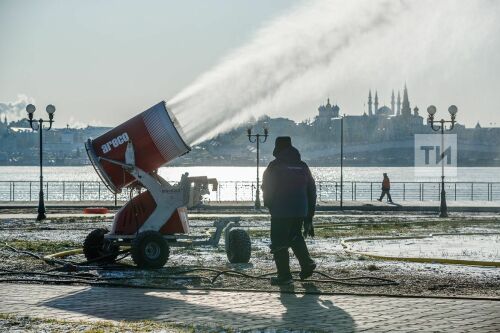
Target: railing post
{"type": "Point", "coordinates": [472, 191]}
{"type": "Point", "coordinates": [252, 187]}
{"type": "Point", "coordinates": [47, 190]}
{"type": "Point", "coordinates": [13, 191]}
{"type": "Point", "coordinates": [236, 191]}
{"type": "Point", "coordinates": [404, 191]}
{"type": "Point", "coordinates": [30, 190]}
{"type": "Point", "coordinates": [80, 190]}
{"type": "Point", "coordinates": [455, 191]}
{"type": "Point", "coordinates": [320, 191]}
{"type": "Point", "coordinates": [64, 190]}
{"type": "Point", "coordinates": [336, 191]}
{"type": "Point", "coordinates": [371, 191]}
{"type": "Point", "coordinates": [99, 191]}
{"type": "Point", "coordinates": [423, 189]}
{"type": "Point", "coordinates": [352, 191]}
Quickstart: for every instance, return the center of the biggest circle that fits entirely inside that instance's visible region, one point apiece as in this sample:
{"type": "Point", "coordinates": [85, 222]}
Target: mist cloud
{"type": "Point", "coordinates": [16, 109]}
{"type": "Point", "coordinates": [443, 49]}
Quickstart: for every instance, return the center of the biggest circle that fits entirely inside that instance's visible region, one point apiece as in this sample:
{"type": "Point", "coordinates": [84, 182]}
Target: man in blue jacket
{"type": "Point", "coordinates": [290, 194]}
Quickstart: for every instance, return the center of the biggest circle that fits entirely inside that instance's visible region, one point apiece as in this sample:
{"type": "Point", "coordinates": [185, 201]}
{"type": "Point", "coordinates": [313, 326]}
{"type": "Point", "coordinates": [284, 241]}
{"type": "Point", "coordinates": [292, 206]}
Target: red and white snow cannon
{"type": "Point", "coordinates": [129, 155]}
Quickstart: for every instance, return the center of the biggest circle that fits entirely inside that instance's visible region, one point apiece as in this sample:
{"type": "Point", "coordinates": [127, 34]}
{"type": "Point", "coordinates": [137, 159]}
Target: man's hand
{"type": "Point", "coordinates": [308, 227]}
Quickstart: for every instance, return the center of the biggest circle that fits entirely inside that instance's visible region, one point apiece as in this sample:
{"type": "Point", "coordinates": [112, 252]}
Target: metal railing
{"type": "Point", "coordinates": [245, 191]}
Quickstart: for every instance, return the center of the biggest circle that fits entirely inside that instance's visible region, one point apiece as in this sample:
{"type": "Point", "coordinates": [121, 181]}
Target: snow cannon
{"type": "Point", "coordinates": [128, 156]}
{"type": "Point", "coordinates": [155, 139]}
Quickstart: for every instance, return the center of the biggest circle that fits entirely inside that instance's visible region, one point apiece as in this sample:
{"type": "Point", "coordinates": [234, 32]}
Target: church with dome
{"type": "Point", "coordinates": [327, 113]}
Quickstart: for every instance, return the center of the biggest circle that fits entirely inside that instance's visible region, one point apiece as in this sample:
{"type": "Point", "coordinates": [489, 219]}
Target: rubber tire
{"type": "Point", "coordinates": [239, 247]}
{"type": "Point", "coordinates": [93, 247]}
{"type": "Point", "coordinates": [138, 250]}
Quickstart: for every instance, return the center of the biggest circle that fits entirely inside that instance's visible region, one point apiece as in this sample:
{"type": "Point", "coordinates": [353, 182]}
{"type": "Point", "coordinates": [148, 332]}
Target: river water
{"type": "Point", "coordinates": [361, 174]}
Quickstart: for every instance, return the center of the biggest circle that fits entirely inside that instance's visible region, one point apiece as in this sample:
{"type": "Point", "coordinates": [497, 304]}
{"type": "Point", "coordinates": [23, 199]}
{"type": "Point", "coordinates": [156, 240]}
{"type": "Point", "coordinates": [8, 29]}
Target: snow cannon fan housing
{"type": "Point", "coordinates": [156, 142]}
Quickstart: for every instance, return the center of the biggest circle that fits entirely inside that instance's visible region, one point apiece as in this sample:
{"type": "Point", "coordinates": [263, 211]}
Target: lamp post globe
{"type": "Point", "coordinates": [431, 110]}
{"type": "Point", "coordinates": [30, 108]}
{"type": "Point", "coordinates": [50, 109]}
{"type": "Point", "coordinates": [453, 110]}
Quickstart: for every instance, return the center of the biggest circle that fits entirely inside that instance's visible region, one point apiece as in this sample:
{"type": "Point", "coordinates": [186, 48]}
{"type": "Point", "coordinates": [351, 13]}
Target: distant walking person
{"type": "Point", "coordinates": [290, 194]}
{"type": "Point", "coordinates": [386, 188]}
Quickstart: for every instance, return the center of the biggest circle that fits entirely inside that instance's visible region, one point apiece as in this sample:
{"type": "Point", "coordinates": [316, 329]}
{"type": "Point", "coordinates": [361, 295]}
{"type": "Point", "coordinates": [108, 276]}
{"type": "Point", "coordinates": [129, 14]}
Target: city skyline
{"type": "Point", "coordinates": [100, 63]}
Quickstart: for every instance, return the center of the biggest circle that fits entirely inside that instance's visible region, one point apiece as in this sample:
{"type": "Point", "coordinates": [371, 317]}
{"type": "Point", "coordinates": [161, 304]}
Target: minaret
{"type": "Point", "coordinates": [376, 102]}
{"type": "Point", "coordinates": [399, 104]}
{"type": "Point", "coordinates": [406, 110]}
{"type": "Point", "coordinates": [392, 102]}
{"type": "Point", "coordinates": [370, 103]}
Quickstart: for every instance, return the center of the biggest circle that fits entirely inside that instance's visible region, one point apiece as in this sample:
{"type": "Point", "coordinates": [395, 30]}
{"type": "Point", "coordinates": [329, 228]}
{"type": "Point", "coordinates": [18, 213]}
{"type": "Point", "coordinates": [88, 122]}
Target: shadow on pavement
{"type": "Point", "coordinates": [205, 308]}
{"type": "Point", "coordinates": [309, 311]}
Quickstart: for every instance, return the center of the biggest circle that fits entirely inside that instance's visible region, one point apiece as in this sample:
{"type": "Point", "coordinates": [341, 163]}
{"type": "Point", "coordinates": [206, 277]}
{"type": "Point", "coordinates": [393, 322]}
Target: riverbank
{"type": "Point", "coordinates": [247, 207]}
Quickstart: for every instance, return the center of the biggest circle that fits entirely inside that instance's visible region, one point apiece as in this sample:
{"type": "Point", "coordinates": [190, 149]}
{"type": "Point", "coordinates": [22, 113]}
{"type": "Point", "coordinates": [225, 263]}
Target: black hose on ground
{"type": "Point", "coordinates": [39, 257]}
{"type": "Point", "coordinates": [344, 281]}
{"type": "Point", "coordinates": [31, 254]}
{"type": "Point", "coordinates": [75, 278]}
{"type": "Point", "coordinates": [73, 267]}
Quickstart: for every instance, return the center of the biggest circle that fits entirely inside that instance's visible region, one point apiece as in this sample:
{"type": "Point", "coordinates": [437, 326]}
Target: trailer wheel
{"type": "Point", "coordinates": [150, 250]}
{"type": "Point", "coordinates": [96, 246]}
{"type": "Point", "coordinates": [238, 247]}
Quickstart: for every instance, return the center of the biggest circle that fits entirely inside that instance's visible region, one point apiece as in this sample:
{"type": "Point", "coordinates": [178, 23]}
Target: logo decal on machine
{"type": "Point", "coordinates": [115, 143]}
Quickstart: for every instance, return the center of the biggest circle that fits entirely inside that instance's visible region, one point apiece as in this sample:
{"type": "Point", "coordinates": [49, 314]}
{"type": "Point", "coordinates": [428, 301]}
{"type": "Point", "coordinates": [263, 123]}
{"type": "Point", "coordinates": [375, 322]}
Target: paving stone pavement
{"type": "Point", "coordinates": [247, 311]}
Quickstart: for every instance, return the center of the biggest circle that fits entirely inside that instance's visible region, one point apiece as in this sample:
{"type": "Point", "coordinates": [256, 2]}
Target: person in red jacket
{"type": "Point", "coordinates": [386, 188]}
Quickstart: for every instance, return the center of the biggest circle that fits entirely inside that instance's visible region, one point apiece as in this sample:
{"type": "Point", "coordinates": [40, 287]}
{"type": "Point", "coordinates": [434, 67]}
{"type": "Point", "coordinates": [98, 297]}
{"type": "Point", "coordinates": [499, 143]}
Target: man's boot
{"type": "Point", "coordinates": [282, 260]}
{"type": "Point", "coordinates": [307, 265]}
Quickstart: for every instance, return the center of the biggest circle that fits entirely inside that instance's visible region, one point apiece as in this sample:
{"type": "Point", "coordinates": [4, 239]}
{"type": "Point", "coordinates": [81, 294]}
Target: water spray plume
{"type": "Point", "coordinates": [344, 46]}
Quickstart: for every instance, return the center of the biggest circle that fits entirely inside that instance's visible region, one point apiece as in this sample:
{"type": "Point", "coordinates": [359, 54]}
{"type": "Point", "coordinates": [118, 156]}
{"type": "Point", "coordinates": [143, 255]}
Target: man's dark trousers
{"type": "Point", "coordinates": [286, 233]}
{"type": "Point", "coordinates": [384, 192]}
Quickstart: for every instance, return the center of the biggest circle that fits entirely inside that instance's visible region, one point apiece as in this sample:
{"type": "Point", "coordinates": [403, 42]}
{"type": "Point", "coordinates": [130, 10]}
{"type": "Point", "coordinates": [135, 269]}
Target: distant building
{"type": "Point", "coordinates": [377, 122]}
{"type": "Point", "coordinates": [327, 113]}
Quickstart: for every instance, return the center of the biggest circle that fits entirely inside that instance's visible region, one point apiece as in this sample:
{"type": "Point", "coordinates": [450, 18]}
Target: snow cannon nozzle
{"type": "Point", "coordinates": [156, 137]}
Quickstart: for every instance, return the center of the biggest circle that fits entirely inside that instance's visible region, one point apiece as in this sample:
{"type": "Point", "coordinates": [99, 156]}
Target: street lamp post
{"type": "Point", "coordinates": [256, 138]}
{"type": "Point", "coordinates": [342, 163]}
{"type": "Point", "coordinates": [442, 127]}
{"type": "Point", "coordinates": [38, 125]}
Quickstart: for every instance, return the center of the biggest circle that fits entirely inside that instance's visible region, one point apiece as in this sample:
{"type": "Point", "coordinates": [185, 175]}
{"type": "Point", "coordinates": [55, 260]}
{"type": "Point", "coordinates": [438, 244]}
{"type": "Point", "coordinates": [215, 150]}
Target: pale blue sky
{"type": "Point", "coordinates": [91, 57]}
{"type": "Point", "coordinates": [101, 62]}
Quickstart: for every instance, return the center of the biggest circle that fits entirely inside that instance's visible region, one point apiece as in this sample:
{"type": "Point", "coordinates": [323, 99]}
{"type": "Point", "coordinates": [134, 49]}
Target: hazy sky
{"type": "Point", "coordinates": [96, 60]}
{"type": "Point", "coordinates": [100, 62]}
